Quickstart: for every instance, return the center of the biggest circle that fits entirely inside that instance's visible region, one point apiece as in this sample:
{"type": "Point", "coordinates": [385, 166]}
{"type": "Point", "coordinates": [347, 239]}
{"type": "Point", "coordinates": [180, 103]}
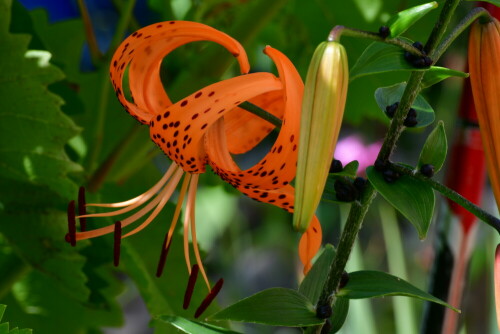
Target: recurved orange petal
{"type": "Point", "coordinates": [143, 52]}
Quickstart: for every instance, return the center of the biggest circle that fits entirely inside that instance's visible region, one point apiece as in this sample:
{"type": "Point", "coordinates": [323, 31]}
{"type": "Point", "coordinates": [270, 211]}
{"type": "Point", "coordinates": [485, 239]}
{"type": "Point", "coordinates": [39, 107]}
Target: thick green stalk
{"type": "Point", "coordinates": [359, 209]}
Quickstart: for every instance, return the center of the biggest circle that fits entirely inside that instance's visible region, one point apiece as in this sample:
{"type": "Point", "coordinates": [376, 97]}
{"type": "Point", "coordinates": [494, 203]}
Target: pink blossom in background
{"type": "Point", "coordinates": [353, 148]}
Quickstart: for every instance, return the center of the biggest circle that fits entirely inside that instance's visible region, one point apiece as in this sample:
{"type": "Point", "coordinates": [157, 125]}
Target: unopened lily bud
{"type": "Point", "coordinates": [484, 68]}
{"type": "Point", "coordinates": [322, 111]}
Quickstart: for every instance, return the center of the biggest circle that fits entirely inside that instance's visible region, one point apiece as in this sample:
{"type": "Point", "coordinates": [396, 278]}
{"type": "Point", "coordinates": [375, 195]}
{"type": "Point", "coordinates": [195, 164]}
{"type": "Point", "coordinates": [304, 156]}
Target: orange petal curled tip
{"type": "Point", "coordinates": [484, 68]}
{"type": "Point", "coordinates": [322, 112]}
{"type": "Point", "coordinates": [141, 54]}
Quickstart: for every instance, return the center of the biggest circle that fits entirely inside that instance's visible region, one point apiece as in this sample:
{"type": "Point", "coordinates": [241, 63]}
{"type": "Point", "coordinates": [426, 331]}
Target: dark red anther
{"type": "Point", "coordinates": [81, 209]}
{"type": "Point", "coordinates": [209, 298]}
{"type": "Point", "coordinates": [71, 236]}
{"type": "Point", "coordinates": [190, 287]}
{"type": "Point", "coordinates": [118, 241]}
{"type": "Point", "coordinates": [163, 258]}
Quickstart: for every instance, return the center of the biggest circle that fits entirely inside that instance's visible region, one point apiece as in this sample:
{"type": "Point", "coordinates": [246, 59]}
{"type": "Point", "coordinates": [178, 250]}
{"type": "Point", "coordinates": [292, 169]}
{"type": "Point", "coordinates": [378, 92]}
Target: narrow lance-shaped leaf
{"type": "Point", "coordinates": [435, 148]}
{"type": "Point", "coordinates": [437, 74]}
{"type": "Point", "coordinates": [276, 307]}
{"type": "Point", "coordinates": [414, 199]}
{"type": "Point", "coordinates": [370, 284]}
{"type": "Point", "coordinates": [312, 285]}
{"type": "Point", "coordinates": [406, 18]}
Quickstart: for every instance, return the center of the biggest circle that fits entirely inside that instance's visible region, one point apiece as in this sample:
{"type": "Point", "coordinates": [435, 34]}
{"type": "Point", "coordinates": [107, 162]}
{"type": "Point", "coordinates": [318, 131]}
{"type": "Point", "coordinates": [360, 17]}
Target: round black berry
{"type": "Point", "coordinates": [324, 311]}
{"type": "Point", "coordinates": [391, 110]}
{"type": "Point", "coordinates": [428, 61]}
{"type": "Point", "coordinates": [418, 45]}
{"type": "Point", "coordinates": [410, 122]}
{"type": "Point", "coordinates": [390, 176]}
{"type": "Point", "coordinates": [344, 279]}
{"type": "Point", "coordinates": [345, 191]}
{"type": "Point", "coordinates": [384, 31]}
{"type": "Point", "coordinates": [412, 113]}
{"type": "Point", "coordinates": [336, 166]}
{"type": "Point", "coordinates": [360, 183]}
{"type": "Point", "coordinates": [427, 170]}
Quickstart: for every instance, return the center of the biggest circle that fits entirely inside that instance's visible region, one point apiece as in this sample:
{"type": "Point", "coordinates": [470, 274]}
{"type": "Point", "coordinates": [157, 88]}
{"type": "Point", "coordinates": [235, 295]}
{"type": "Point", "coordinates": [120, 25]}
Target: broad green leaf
{"type": "Point", "coordinates": [350, 170]}
{"type": "Point", "coordinates": [275, 307]}
{"type": "Point", "coordinates": [414, 199]}
{"type": "Point", "coordinates": [193, 327]}
{"type": "Point", "coordinates": [437, 74]}
{"type": "Point", "coordinates": [406, 18]}
{"type": "Point", "coordinates": [312, 285]}
{"type": "Point", "coordinates": [370, 284]}
{"type": "Point", "coordinates": [340, 310]}
{"type": "Point", "coordinates": [386, 96]}
{"type": "Point", "coordinates": [40, 303]}
{"type": "Point", "coordinates": [33, 130]}
{"type": "Point", "coordinates": [379, 58]}
{"type": "Point", "coordinates": [435, 148]}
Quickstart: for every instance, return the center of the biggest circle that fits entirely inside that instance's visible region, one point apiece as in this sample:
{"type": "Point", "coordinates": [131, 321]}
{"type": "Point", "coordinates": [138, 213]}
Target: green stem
{"type": "Point", "coordinates": [256, 110]}
{"type": "Point", "coordinates": [452, 195]}
{"type": "Point", "coordinates": [441, 26]}
{"type": "Point", "coordinates": [100, 117]}
{"type": "Point", "coordinates": [472, 16]}
{"type": "Point", "coordinates": [95, 54]}
{"type": "Point", "coordinates": [337, 31]}
{"type": "Point", "coordinates": [359, 209]}
{"type": "Point", "coordinates": [98, 177]}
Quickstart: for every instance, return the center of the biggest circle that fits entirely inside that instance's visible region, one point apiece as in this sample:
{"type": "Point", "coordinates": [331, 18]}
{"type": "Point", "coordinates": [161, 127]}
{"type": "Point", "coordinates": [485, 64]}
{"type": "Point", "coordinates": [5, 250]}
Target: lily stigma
{"type": "Point", "coordinates": [206, 127]}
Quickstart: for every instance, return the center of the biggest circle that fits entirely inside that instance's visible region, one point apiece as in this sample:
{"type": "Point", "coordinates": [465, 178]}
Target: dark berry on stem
{"type": "Point", "coordinates": [384, 31]}
{"type": "Point", "coordinates": [391, 110]}
{"type": "Point", "coordinates": [427, 170]}
{"type": "Point", "coordinates": [418, 45]}
{"type": "Point", "coordinates": [336, 166]}
{"type": "Point", "coordinates": [410, 122]}
{"type": "Point", "coordinates": [359, 183]}
{"type": "Point", "coordinates": [345, 191]}
{"type": "Point", "coordinates": [324, 311]}
{"type": "Point", "coordinates": [390, 176]}
{"type": "Point", "coordinates": [344, 279]}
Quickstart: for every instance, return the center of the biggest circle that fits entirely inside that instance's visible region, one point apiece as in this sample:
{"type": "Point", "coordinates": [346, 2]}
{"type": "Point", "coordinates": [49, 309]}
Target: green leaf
{"type": "Point", "coordinates": [350, 170]}
{"type": "Point", "coordinates": [414, 199]}
{"type": "Point", "coordinates": [33, 130]}
{"type": "Point", "coordinates": [4, 327]}
{"type": "Point", "coordinates": [340, 310]}
{"type": "Point", "coordinates": [379, 58]}
{"type": "Point", "coordinates": [386, 96]}
{"type": "Point", "coordinates": [406, 18]}
{"type": "Point", "coordinates": [437, 74]}
{"type": "Point", "coordinates": [276, 307]}
{"type": "Point", "coordinates": [193, 327]}
{"type": "Point", "coordinates": [435, 148]}
{"type": "Point", "coordinates": [312, 285]}
{"type": "Point", "coordinates": [370, 284]}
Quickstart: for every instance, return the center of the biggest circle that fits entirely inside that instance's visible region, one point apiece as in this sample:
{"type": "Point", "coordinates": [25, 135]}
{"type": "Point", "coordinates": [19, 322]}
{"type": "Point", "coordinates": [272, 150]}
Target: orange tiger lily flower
{"type": "Point", "coordinates": [204, 128]}
{"type": "Point", "coordinates": [484, 68]}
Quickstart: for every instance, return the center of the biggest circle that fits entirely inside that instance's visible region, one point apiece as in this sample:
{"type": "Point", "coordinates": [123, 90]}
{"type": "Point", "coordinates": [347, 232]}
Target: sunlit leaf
{"type": "Point", "coordinates": [413, 198]}
{"type": "Point", "coordinates": [312, 285]}
{"type": "Point", "coordinates": [386, 96]}
{"type": "Point", "coordinates": [437, 74]}
{"type": "Point", "coordinates": [435, 148]}
{"type": "Point", "coordinates": [276, 307]}
{"type": "Point", "coordinates": [406, 18]}
{"type": "Point", "coordinates": [370, 284]}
